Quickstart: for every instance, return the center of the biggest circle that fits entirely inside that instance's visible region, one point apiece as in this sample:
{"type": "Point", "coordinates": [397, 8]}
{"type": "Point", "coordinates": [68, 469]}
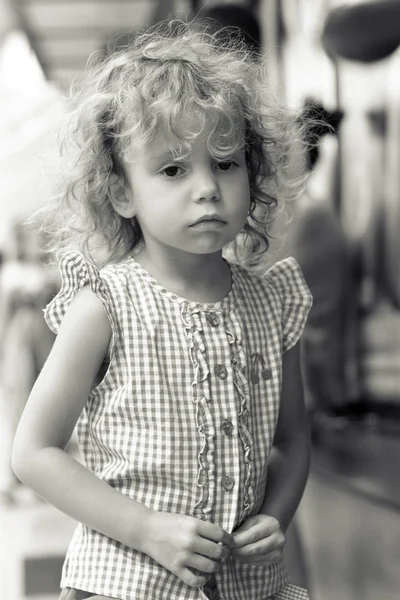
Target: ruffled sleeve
{"type": "Point", "coordinates": [287, 279]}
{"type": "Point", "coordinates": [76, 272]}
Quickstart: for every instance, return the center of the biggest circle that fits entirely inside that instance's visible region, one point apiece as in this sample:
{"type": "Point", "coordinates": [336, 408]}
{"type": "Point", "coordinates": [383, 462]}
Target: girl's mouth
{"type": "Point", "coordinates": [208, 222]}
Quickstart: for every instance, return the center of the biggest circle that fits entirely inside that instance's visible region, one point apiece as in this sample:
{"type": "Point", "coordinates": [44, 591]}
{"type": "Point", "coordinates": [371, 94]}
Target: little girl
{"type": "Point", "coordinates": [179, 367]}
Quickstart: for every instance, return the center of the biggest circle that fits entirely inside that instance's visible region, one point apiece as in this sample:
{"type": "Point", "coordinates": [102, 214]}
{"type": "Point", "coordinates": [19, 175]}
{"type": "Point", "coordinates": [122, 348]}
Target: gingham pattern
{"type": "Point", "coordinates": [292, 592]}
{"type": "Point", "coordinates": [289, 592]}
{"type": "Point", "coordinates": [152, 427]}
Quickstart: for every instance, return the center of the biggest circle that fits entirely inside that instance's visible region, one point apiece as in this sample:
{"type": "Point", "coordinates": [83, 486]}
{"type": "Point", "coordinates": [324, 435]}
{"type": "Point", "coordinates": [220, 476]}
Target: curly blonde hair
{"type": "Point", "coordinates": [125, 97]}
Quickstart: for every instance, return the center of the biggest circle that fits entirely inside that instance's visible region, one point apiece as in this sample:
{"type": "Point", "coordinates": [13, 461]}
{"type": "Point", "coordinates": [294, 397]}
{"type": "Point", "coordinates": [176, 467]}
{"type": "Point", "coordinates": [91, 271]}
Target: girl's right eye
{"type": "Point", "coordinates": [171, 171]}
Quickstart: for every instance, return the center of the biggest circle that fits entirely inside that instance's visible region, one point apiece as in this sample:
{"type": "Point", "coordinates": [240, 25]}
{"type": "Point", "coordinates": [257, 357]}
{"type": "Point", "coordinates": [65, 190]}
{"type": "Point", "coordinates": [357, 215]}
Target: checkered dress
{"type": "Point", "coordinates": [185, 416]}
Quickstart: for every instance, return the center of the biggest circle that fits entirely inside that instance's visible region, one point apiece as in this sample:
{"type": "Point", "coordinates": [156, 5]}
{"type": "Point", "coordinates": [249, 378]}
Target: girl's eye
{"type": "Point", "coordinates": [171, 171]}
{"type": "Point", "coordinates": [226, 165]}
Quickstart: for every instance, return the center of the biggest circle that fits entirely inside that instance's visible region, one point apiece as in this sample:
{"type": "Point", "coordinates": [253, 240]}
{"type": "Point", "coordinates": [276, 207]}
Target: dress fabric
{"type": "Point", "coordinates": [184, 418]}
{"type": "Point", "coordinates": [289, 592]}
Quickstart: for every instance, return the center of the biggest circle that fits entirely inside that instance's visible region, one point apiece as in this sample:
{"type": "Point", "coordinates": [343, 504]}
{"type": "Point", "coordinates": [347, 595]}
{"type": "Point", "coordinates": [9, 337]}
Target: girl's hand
{"type": "Point", "coordinates": [259, 539]}
{"type": "Point", "coordinates": [188, 547]}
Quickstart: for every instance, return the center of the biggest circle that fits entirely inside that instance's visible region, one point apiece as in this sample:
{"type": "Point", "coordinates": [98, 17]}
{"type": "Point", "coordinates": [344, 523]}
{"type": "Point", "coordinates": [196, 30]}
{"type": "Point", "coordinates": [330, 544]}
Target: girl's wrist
{"type": "Point", "coordinates": [148, 532]}
{"type": "Point", "coordinates": [136, 526]}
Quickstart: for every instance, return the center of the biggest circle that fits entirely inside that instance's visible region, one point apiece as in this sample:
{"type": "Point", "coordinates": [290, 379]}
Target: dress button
{"type": "Point", "coordinates": [227, 427]}
{"type": "Point", "coordinates": [221, 371]}
{"type": "Point", "coordinates": [266, 374]}
{"type": "Point", "coordinates": [227, 483]}
{"type": "Point", "coordinates": [212, 319]}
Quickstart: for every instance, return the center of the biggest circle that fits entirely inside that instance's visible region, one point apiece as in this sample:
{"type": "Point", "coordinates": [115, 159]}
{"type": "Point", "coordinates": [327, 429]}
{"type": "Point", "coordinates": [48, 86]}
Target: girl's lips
{"type": "Point", "coordinates": [207, 218]}
{"type": "Point", "coordinates": [208, 223]}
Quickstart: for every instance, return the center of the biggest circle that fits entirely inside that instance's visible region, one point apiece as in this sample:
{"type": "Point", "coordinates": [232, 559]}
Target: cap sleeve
{"type": "Point", "coordinates": [76, 272]}
{"type": "Point", "coordinates": [288, 280]}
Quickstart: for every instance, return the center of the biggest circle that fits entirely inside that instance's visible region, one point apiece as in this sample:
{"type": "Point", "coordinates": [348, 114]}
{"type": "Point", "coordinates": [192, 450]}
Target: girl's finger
{"type": "Point", "coordinates": [213, 532]}
{"type": "Point", "coordinates": [259, 548]}
{"type": "Point", "coordinates": [249, 536]}
{"type": "Point", "coordinates": [247, 524]}
{"type": "Point", "coordinates": [202, 564]}
{"type": "Point", "coordinates": [191, 578]}
{"type": "Point", "coordinates": [211, 549]}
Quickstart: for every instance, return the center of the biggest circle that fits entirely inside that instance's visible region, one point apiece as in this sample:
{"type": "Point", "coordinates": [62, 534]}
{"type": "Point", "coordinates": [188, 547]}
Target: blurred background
{"type": "Point", "coordinates": [338, 61]}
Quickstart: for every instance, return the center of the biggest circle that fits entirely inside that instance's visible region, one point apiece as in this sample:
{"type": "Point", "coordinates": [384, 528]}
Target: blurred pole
{"type": "Point", "coordinates": [271, 43]}
{"type": "Point", "coordinates": [338, 174]}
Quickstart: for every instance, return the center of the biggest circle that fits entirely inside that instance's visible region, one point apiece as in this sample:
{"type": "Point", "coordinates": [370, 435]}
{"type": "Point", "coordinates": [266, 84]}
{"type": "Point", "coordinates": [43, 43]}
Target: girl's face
{"type": "Point", "coordinates": [195, 204]}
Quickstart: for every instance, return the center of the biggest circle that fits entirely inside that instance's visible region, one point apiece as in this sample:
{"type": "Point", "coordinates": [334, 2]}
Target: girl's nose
{"type": "Point", "coordinates": [206, 188]}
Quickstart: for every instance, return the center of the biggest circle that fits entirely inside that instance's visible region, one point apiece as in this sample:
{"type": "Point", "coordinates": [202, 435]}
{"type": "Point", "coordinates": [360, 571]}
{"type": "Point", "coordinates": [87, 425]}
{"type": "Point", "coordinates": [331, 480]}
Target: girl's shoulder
{"type": "Point", "coordinates": [282, 292]}
{"type": "Point", "coordinates": [284, 278]}
{"type": "Point", "coordinates": [78, 272]}
{"type": "Point", "coordinates": [117, 271]}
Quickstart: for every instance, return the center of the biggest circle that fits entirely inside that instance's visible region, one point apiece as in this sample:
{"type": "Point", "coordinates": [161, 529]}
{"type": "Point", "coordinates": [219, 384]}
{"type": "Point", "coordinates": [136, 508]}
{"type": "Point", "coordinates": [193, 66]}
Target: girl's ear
{"type": "Point", "coordinates": [120, 196]}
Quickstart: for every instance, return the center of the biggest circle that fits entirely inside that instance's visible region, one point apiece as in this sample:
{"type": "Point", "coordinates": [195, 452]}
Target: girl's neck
{"type": "Point", "coordinates": [198, 278]}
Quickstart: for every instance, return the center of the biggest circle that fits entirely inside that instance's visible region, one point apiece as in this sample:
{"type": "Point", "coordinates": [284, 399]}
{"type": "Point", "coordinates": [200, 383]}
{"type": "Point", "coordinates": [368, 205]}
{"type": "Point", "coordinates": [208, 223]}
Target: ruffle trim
{"type": "Point", "coordinates": [204, 418]}
{"type": "Point", "coordinates": [238, 361]}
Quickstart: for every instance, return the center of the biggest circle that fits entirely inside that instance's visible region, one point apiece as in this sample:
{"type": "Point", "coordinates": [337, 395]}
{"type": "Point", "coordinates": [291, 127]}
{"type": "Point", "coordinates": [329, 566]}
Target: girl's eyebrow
{"type": "Point", "coordinates": [171, 153]}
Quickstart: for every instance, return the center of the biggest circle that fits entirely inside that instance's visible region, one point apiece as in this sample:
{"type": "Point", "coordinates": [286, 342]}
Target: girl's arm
{"type": "Point", "coordinates": [178, 542]}
{"type": "Point", "coordinates": [289, 460]}
{"type": "Point", "coordinates": [260, 538]}
{"type": "Point", "coordinates": [55, 403]}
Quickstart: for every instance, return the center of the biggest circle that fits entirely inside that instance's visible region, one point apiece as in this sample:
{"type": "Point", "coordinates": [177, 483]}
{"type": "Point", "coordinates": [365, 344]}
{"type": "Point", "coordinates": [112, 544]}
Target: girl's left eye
{"type": "Point", "coordinates": [226, 165]}
{"type": "Point", "coordinates": [171, 171]}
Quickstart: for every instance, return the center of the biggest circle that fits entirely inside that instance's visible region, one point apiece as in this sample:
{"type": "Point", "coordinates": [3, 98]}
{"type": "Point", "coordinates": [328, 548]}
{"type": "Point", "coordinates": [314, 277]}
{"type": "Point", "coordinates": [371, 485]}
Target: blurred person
{"type": "Point", "coordinates": [26, 286]}
{"type": "Point", "coordinates": [314, 236]}
{"type": "Point", "coordinates": [317, 240]}
{"type": "Point", "coordinates": [181, 368]}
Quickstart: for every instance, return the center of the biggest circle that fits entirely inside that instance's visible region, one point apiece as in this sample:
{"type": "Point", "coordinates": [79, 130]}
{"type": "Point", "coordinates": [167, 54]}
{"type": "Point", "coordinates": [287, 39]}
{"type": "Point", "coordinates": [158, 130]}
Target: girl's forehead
{"type": "Point", "coordinates": [195, 129]}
